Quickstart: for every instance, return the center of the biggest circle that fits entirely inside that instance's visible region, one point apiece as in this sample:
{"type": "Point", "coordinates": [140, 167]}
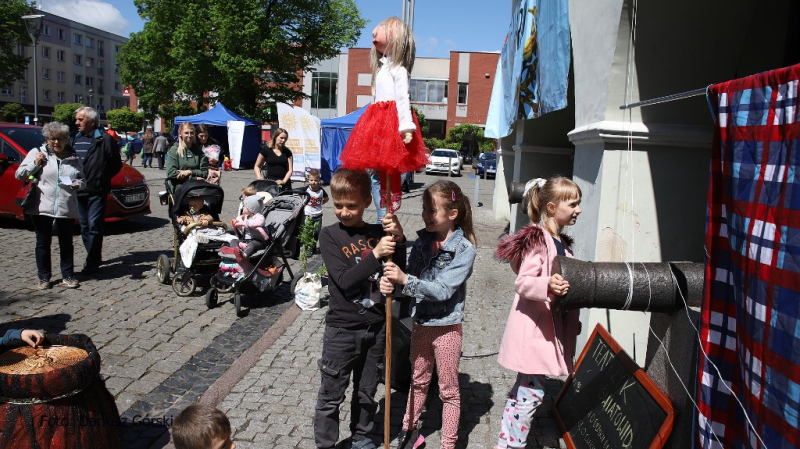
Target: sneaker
{"type": "Point", "coordinates": [70, 283]}
{"type": "Point", "coordinates": [227, 252]}
{"type": "Point", "coordinates": [363, 443]}
{"type": "Point", "coordinates": [43, 284]}
{"type": "Point", "coordinates": [409, 439]}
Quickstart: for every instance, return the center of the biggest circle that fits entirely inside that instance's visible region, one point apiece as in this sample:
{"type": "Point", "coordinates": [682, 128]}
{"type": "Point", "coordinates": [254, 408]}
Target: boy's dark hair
{"type": "Point", "coordinates": [198, 425]}
{"type": "Point", "coordinates": [346, 182]}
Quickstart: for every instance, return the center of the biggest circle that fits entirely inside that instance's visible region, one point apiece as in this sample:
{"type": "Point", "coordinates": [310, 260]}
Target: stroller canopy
{"type": "Point", "coordinates": [214, 196]}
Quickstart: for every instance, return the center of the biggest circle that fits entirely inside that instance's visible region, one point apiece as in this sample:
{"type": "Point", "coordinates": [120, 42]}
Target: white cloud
{"type": "Point", "coordinates": [94, 13]}
{"type": "Point", "coordinates": [451, 45]}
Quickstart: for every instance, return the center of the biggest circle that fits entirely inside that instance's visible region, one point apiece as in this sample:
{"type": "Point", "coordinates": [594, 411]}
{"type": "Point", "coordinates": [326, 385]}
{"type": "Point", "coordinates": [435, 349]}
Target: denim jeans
{"type": "Point", "coordinates": [376, 198]}
{"type": "Point", "coordinates": [91, 215]}
{"type": "Point", "coordinates": [344, 351]}
{"type": "Point", "coordinates": [43, 227]}
{"type": "Point", "coordinates": [147, 160]}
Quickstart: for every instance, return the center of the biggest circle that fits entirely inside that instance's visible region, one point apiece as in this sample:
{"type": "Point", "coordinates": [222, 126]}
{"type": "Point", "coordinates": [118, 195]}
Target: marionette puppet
{"type": "Point", "coordinates": [387, 138]}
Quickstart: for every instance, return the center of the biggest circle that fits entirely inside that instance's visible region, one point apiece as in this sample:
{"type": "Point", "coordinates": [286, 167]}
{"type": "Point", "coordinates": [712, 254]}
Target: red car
{"type": "Point", "coordinates": [129, 196]}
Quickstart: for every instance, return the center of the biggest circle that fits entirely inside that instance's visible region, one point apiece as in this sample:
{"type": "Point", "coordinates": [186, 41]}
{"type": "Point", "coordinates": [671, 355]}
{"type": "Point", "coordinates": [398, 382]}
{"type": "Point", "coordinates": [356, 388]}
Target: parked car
{"type": "Point", "coordinates": [487, 162]}
{"type": "Point", "coordinates": [443, 160]}
{"type": "Point", "coordinates": [129, 196]}
{"type": "Point", "coordinates": [135, 140]}
{"type": "Point", "coordinates": [466, 159]}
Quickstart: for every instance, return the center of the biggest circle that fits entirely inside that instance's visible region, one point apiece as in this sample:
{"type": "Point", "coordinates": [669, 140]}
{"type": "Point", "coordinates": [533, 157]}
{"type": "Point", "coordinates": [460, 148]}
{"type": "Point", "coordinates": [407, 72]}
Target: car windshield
{"type": "Point", "coordinates": [490, 156]}
{"type": "Point", "coordinates": [27, 138]}
{"type": "Point", "coordinates": [444, 153]}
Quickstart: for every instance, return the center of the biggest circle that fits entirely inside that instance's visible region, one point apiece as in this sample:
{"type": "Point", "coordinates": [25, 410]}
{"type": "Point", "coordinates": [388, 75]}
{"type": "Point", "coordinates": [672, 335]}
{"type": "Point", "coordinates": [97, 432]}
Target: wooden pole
{"type": "Point", "coordinates": [387, 413]}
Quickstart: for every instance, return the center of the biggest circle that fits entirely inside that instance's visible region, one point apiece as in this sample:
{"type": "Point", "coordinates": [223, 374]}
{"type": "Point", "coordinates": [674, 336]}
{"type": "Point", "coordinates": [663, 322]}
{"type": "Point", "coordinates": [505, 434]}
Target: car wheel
{"type": "Point", "coordinates": [184, 284]}
{"type": "Point", "coordinates": [458, 172]}
{"type": "Point", "coordinates": [211, 298]}
{"type": "Point", "coordinates": [162, 269]}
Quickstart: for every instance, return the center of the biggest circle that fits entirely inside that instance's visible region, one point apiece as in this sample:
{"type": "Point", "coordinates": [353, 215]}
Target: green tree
{"type": "Point", "coordinates": [65, 113]}
{"type": "Point", "coordinates": [14, 34]}
{"type": "Point", "coordinates": [168, 112]}
{"type": "Point", "coordinates": [125, 120]}
{"type": "Point", "coordinates": [13, 112]}
{"type": "Point", "coordinates": [467, 131]}
{"type": "Point", "coordinates": [249, 53]}
{"type": "Point", "coordinates": [423, 122]}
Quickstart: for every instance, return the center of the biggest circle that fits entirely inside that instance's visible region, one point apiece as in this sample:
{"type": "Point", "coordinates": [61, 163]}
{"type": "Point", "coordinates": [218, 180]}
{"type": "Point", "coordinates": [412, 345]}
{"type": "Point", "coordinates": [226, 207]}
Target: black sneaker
{"type": "Point", "coordinates": [362, 443]}
{"type": "Point", "coordinates": [410, 439]}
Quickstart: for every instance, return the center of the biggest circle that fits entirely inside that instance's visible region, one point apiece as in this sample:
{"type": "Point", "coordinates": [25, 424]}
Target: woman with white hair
{"type": "Point", "coordinates": [57, 174]}
{"type": "Point", "coordinates": [185, 159]}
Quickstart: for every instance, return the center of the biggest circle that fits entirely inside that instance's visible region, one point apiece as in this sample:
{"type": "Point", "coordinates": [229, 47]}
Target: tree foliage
{"type": "Point", "coordinates": [466, 132]}
{"type": "Point", "coordinates": [65, 113]}
{"type": "Point", "coordinates": [246, 53]}
{"type": "Point", "coordinates": [423, 122]}
{"type": "Point", "coordinates": [13, 112]}
{"type": "Point", "coordinates": [125, 120]}
{"type": "Point", "coordinates": [168, 112]}
{"type": "Point", "coordinates": [14, 34]}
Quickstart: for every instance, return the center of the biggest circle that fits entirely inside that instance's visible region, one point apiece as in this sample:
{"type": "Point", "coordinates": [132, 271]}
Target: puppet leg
{"type": "Point", "coordinates": [394, 184]}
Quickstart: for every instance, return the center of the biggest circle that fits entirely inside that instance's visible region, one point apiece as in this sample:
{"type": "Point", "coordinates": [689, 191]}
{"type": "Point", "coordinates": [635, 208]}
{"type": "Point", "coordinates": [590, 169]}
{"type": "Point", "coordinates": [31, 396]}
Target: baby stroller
{"type": "Point", "coordinates": [283, 214]}
{"type": "Point", "coordinates": [206, 259]}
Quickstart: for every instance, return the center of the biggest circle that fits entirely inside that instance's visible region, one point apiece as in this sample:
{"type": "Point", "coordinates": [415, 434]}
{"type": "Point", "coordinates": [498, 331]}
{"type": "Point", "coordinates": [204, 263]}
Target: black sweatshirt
{"type": "Point", "coordinates": [353, 271]}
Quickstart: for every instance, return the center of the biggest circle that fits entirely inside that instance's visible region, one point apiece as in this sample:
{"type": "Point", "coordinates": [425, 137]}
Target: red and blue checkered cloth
{"type": "Point", "coordinates": [751, 302]}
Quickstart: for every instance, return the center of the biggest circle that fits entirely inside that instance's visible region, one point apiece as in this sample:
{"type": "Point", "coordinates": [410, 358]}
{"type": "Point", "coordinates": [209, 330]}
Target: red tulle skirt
{"type": "Point", "coordinates": [375, 143]}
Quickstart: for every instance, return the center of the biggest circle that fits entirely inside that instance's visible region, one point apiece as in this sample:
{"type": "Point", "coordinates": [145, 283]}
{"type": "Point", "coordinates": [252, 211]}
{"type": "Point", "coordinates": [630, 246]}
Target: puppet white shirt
{"type": "Point", "coordinates": [391, 84]}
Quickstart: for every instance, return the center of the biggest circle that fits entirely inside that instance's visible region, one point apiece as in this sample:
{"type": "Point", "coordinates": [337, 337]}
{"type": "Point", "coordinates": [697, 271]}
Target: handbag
{"type": "Point", "coordinates": [28, 193]}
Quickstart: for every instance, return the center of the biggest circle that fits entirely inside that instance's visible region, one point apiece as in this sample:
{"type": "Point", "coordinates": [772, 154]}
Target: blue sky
{"type": "Point", "coordinates": [439, 26]}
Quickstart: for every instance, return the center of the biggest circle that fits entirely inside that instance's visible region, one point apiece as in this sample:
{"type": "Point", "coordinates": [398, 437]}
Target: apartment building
{"type": "Point", "coordinates": [76, 64]}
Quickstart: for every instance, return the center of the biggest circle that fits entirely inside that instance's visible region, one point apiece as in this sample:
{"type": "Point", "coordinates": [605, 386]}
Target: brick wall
{"type": "Point", "coordinates": [479, 91]}
{"type": "Point", "coordinates": [358, 62]}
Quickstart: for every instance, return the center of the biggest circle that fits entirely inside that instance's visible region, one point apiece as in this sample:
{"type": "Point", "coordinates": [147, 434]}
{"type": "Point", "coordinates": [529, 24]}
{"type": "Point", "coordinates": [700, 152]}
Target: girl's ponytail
{"type": "Point", "coordinates": [541, 191]}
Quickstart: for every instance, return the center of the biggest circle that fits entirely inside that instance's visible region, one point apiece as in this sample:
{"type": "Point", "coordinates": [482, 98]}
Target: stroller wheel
{"type": "Point", "coordinates": [162, 268]}
{"type": "Point", "coordinates": [237, 301]}
{"type": "Point", "coordinates": [184, 284]}
{"type": "Point", "coordinates": [211, 298]}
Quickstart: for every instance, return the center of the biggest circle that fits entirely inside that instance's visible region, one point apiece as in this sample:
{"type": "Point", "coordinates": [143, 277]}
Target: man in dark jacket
{"type": "Point", "coordinates": [101, 161]}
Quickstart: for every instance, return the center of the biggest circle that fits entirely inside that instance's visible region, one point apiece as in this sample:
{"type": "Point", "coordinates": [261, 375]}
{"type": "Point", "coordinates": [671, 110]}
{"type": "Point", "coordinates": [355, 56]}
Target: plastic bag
{"type": "Point", "coordinates": [308, 292]}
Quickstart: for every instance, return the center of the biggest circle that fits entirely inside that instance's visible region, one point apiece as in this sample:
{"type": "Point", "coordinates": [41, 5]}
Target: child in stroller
{"type": "Point", "coordinates": [249, 230]}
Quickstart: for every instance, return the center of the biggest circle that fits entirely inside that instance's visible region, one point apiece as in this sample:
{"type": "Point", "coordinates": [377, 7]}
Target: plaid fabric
{"type": "Point", "coordinates": [750, 327]}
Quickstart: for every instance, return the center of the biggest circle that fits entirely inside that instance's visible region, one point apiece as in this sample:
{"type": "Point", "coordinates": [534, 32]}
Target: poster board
{"type": "Point", "coordinates": [304, 139]}
{"type": "Point", "coordinates": [610, 403]}
{"type": "Point", "coordinates": [235, 139]}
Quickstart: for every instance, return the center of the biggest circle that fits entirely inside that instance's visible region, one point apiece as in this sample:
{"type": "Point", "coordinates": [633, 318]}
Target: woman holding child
{"type": "Point", "coordinates": [185, 159]}
{"type": "Point", "coordinates": [56, 205]}
{"type": "Point", "coordinates": [275, 161]}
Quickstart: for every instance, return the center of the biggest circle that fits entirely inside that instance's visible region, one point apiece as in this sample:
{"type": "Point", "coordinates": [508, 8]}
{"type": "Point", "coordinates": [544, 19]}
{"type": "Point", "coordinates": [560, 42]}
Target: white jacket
{"type": "Point", "coordinates": [55, 200]}
{"type": "Point", "coordinates": [391, 84]}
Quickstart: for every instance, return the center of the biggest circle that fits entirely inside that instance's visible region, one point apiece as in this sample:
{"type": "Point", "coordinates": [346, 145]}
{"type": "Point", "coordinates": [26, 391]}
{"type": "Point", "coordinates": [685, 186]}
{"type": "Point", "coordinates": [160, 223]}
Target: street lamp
{"type": "Point", "coordinates": [34, 36]}
{"type": "Point", "coordinates": [91, 93]}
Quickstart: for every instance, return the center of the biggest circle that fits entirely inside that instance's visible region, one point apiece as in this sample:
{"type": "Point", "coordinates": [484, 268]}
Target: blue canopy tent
{"type": "Point", "coordinates": [217, 120]}
{"type": "Point", "coordinates": [335, 132]}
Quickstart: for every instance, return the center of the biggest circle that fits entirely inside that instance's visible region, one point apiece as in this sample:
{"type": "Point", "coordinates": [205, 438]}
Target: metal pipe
{"type": "Point", "coordinates": [34, 37]}
{"type": "Point", "coordinates": [667, 98]}
{"type": "Point", "coordinates": [655, 287]}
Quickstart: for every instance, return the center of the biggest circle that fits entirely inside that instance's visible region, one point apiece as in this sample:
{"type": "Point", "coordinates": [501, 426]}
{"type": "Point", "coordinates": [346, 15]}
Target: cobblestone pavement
{"type": "Point", "coordinates": [161, 352]}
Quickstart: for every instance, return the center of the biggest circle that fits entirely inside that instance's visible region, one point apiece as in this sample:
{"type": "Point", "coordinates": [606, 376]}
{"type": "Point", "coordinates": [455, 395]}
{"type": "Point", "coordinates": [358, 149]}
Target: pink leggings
{"type": "Point", "coordinates": [442, 343]}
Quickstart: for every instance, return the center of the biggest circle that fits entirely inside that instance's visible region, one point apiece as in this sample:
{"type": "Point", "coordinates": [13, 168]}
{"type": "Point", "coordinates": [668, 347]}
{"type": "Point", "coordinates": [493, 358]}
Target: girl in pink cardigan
{"type": "Point", "coordinates": [249, 227]}
{"type": "Point", "coordinates": [538, 340]}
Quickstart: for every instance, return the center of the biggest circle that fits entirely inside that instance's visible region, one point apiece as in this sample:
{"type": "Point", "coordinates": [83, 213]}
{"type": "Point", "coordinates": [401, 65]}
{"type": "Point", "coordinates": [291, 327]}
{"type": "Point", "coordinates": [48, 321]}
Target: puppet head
{"type": "Point", "coordinates": [393, 39]}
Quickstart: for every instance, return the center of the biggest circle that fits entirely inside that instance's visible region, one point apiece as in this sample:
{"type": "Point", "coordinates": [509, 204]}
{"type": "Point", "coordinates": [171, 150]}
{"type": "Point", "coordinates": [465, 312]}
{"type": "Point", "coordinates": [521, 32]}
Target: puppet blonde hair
{"type": "Point", "coordinates": [401, 49]}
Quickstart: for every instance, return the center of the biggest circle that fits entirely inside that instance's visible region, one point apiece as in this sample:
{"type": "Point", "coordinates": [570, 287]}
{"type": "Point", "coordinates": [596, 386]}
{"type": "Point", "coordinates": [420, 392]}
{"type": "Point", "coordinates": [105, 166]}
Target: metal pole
{"type": "Point", "coordinates": [34, 35]}
{"type": "Point", "coordinates": [664, 99]}
{"type": "Point", "coordinates": [411, 16]}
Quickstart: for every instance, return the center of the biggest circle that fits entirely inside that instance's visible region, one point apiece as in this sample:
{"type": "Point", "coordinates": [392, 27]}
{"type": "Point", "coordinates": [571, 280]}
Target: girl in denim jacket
{"type": "Point", "coordinates": [438, 268]}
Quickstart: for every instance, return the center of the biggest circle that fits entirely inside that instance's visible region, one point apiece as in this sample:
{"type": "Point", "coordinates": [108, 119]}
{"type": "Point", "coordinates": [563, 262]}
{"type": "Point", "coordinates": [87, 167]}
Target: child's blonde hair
{"type": "Point", "coordinates": [553, 190]}
{"type": "Point", "coordinates": [248, 191]}
{"type": "Point", "coordinates": [400, 48]}
{"type": "Point", "coordinates": [453, 198]}
{"type": "Point", "coordinates": [313, 172]}
{"type": "Point", "coordinates": [198, 425]}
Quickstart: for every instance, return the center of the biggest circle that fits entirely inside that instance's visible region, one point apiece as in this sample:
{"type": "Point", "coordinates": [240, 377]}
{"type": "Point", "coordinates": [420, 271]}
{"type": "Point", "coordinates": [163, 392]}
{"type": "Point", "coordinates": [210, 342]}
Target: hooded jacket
{"type": "Point", "coordinates": [55, 200]}
{"type": "Point", "coordinates": [538, 339]}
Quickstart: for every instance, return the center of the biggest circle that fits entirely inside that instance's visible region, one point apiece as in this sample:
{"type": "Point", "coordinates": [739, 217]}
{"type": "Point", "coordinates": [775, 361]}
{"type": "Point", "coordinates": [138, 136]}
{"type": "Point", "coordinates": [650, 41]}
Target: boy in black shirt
{"type": "Point", "coordinates": [355, 331]}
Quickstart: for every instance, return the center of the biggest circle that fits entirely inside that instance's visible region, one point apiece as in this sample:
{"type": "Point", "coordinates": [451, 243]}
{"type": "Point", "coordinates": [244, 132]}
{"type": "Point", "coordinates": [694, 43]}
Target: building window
{"type": "Point", "coordinates": [323, 90]}
{"type": "Point", "coordinates": [89, 81]}
{"type": "Point", "coordinates": [77, 98]}
{"type": "Point", "coordinates": [100, 48]}
{"type": "Point", "coordinates": [45, 30]}
{"type": "Point", "coordinates": [100, 90]}
{"type": "Point", "coordinates": [117, 87]}
{"type": "Point", "coordinates": [462, 93]}
{"type": "Point", "coordinates": [427, 91]}
{"type": "Point", "coordinates": [100, 102]}
{"type": "Point", "coordinates": [99, 71]}
{"type": "Point", "coordinates": [77, 59]}
{"type": "Point", "coordinates": [45, 74]}
{"type": "Point", "coordinates": [23, 94]}
{"type": "Point", "coordinates": [61, 96]}
{"type": "Point", "coordinates": [89, 62]}
{"type": "Point", "coordinates": [60, 33]}
{"type": "Point", "coordinates": [77, 38]}
{"type": "Point", "coordinates": [45, 51]}
{"type": "Point", "coordinates": [116, 104]}
{"type": "Point", "coordinates": [24, 78]}
{"type": "Point", "coordinates": [46, 94]}
{"type": "Point", "coordinates": [116, 49]}
{"type": "Point", "coordinates": [7, 91]}
{"type": "Point", "coordinates": [78, 80]}
{"type": "Point", "coordinates": [116, 68]}
{"type": "Point", "coordinates": [60, 55]}
{"type": "Point", "coordinates": [89, 42]}
{"type": "Point", "coordinates": [60, 76]}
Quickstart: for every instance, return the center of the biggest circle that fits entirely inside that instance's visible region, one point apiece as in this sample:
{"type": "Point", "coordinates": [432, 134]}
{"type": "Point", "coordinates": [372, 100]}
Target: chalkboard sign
{"type": "Point", "coordinates": [610, 403]}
